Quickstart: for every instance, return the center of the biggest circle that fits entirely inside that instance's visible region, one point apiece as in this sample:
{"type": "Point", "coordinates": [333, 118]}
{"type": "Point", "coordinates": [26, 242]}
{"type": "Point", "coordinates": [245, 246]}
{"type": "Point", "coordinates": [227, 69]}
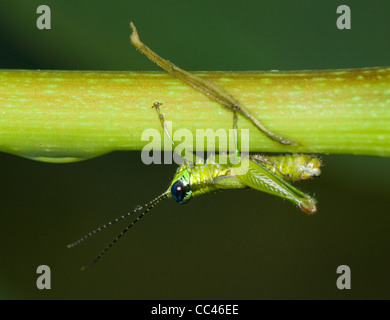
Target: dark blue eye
{"type": "Point", "coordinates": [180, 192]}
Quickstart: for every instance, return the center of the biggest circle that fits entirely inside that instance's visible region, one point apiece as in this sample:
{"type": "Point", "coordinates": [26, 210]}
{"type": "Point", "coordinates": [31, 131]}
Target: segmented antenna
{"type": "Point", "coordinates": [105, 226]}
{"type": "Point", "coordinates": [149, 206]}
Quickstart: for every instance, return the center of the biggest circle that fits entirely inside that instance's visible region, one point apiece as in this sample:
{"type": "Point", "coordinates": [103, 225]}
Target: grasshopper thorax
{"type": "Point", "coordinates": [192, 180]}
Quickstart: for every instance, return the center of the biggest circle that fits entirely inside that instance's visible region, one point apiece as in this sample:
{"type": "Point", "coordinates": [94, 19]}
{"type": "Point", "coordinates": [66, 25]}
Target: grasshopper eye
{"type": "Point", "coordinates": [181, 192]}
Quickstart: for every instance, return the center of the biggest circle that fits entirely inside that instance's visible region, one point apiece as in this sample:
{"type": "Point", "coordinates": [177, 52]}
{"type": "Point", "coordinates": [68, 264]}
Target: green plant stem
{"type": "Point", "coordinates": [63, 116]}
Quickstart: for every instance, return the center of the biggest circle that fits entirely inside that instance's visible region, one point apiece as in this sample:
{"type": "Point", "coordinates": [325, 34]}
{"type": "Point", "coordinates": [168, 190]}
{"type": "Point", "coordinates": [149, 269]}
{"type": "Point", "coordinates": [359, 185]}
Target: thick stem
{"type": "Point", "coordinates": [62, 116]}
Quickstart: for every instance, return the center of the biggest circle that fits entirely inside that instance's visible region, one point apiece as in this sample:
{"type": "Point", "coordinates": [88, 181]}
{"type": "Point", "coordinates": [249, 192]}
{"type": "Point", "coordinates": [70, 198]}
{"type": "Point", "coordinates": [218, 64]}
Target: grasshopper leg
{"type": "Point", "coordinates": [266, 161]}
{"type": "Point", "coordinates": [161, 117]}
{"type": "Point", "coordinates": [205, 86]}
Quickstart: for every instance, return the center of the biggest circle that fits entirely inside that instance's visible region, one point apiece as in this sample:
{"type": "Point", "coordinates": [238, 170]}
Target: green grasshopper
{"type": "Point", "coordinates": [267, 174]}
{"type": "Point", "coordinates": [194, 177]}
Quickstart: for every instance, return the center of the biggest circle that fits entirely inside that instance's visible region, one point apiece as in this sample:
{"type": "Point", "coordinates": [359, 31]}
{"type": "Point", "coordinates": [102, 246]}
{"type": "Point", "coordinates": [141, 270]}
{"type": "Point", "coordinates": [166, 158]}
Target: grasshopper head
{"type": "Point", "coordinates": [181, 188]}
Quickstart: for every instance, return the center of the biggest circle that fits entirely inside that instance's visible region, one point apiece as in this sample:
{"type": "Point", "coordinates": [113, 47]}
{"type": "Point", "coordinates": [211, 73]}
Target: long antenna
{"type": "Point", "coordinates": [103, 227]}
{"type": "Point", "coordinates": [151, 205]}
{"type": "Point", "coordinates": [109, 224]}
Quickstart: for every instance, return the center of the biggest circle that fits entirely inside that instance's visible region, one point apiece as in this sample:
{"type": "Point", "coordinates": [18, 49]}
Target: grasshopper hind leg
{"type": "Point", "coordinates": [207, 87]}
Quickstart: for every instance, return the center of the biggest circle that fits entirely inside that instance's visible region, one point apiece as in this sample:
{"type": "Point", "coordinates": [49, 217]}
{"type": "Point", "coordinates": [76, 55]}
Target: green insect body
{"type": "Point", "coordinates": [294, 167]}
{"type": "Point", "coordinates": [192, 180]}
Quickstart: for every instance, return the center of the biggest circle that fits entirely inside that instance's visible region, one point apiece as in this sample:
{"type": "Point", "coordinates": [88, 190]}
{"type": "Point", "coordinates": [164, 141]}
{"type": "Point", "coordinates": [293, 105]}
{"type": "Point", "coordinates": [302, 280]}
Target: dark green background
{"type": "Point", "coordinates": [236, 244]}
